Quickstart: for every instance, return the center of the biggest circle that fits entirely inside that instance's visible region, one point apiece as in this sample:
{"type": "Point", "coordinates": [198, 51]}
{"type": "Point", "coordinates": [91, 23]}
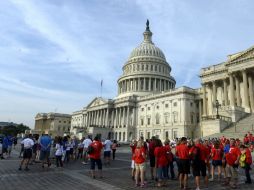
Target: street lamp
{"type": "Point", "coordinates": [217, 105]}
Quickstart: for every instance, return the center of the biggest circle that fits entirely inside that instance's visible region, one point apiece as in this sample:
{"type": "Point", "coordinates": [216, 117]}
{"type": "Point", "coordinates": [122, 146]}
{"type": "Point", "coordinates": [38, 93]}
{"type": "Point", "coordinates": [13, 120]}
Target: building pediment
{"type": "Point", "coordinates": [249, 53]}
{"type": "Point", "coordinates": [97, 102]}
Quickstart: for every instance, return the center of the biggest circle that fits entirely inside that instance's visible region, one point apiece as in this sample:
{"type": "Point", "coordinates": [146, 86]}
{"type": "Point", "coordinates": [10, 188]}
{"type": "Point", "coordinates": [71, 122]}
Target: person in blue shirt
{"type": "Point", "coordinates": [45, 143]}
{"type": "Point", "coordinates": [5, 145]}
{"type": "Point", "coordinates": [10, 143]}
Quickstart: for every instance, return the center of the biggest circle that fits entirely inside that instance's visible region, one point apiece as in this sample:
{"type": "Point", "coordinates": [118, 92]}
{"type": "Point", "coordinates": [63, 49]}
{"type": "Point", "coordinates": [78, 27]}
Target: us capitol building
{"type": "Point", "coordinates": [148, 104]}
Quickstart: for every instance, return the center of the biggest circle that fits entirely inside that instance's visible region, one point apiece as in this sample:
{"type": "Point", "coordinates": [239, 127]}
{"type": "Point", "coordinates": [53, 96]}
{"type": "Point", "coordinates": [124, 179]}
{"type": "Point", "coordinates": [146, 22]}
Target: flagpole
{"type": "Point", "coordinates": [101, 87]}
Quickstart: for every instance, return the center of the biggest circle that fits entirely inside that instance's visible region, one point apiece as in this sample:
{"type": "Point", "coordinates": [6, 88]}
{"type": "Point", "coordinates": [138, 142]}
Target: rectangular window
{"type": "Point", "coordinates": [148, 121]}
{"type": "Point", "coordinates": [175, 104]}
{"type": "Point", "coordinates": [142, 122]}
{"type": "Point", "coordinates": [166, 119]}
{"type": "Point", "coordinates": [166, 105]}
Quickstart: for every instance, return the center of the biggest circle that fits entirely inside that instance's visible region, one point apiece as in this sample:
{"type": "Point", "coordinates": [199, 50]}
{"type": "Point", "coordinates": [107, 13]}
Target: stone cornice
{"type": "Point", "coordinates": [179, 91]}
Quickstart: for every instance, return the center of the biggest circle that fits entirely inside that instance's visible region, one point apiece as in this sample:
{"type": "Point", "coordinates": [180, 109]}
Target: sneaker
{"type": "Point", "coordinates": [211, 179]}
{"type": "Point", "coordinates": [143, 185]}
{"type": "Point", "coordinates": [20, 168]}
{"type": "Point", "coordinates": [85, 163]}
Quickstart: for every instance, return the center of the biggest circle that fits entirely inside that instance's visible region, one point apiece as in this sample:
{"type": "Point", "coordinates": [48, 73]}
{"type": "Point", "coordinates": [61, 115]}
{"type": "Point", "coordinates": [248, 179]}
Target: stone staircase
{"type": "Point", "coordinates": [238, 129]}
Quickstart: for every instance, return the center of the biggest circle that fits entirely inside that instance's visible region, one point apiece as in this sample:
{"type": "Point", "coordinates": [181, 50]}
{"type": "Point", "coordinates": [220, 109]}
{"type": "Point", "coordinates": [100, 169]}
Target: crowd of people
{"type": "Point", "coordinates": [6, 144]}
{"type": "Point", "coordinates": [199, 158]}
{"type": "Point", "coordinates": [43, 149]}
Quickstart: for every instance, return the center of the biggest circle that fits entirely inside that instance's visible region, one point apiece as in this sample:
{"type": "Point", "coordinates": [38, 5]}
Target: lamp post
{"type": "Point", "coordinates": [217, 105]}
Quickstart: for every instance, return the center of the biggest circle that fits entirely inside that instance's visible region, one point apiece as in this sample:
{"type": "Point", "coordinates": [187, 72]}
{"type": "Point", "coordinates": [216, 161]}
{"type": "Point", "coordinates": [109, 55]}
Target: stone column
{"type": "Point", "coordinates": [120, 116]}
{"type": "Point", "coordinates": [123, 123]}
{"type": "Point", "coordinates": [106, 118]}
{"type": "Point", "coordinates": [116, 117]}
{"type": "Point", "coordinates": [160, 85]}
{"type": "Point", "coordinates": [237, 83]}
{"type": "Point", "coordinates": [139, 84]}
{"type": "Point", "coordinates": [144, 84]}
{"type": "Point", "coordinates": [250, 80]}
{"type": "Point", "coordinates": [231, 90]}
{"type": "Point", "coordinates": [127, 119]}
{"type": "Point", "coordinates": [149, 84]}
{"type": "Point", "coordinates": [204, 100]}
{"type": "Point", "coordinates": [245, 90]}
{"type": "Point", "coordinates": [155, 85]}
{"type": "Point", "coordinates": [225, 92]}
{"type": "Point", "coordinates": [165, 84]}
{"type": "Point", "coordinates": [87, 120]}
{"type": "Point", "coordinates": [214, 92]}
{"type": "Point", "coordinates": [200, 110]}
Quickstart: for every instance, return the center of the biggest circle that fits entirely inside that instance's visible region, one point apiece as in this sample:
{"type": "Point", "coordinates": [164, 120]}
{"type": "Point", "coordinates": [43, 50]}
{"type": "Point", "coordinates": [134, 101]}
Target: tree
{"type": "Point", "coordinates": [13, 129]}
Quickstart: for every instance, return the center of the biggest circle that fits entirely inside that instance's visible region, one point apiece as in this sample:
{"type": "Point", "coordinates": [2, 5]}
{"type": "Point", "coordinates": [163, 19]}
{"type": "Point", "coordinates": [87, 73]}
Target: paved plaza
{"type": "Point", "coordinates": [76, 176]}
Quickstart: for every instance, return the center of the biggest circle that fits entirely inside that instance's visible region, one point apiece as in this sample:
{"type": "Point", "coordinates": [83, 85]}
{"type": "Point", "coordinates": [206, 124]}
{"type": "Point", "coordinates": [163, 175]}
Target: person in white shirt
{"type": "Point", "coordinates": [59, 152]}
{"type": "Point", "coordinates": [28, 152]}
{"type": "Point", "coordinates": [86, 144]}
{"type": "Point", "coordinates": [107, 151]}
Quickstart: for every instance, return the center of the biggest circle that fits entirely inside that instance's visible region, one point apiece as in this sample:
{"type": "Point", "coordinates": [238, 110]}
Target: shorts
{"type": "Point", "coordinates": [9, 148]}
{"type": "Point", "coordinates": [132, 164]}
{"type": "Point", "coordinates": [44, 154]}
{"type": "Point", "coordinates": [152, 161]}
{"type": "Point", "coordinates": [199, 167]}
{"type": "Point", "coordinates": [71, 151]}
{"type": "Point", "coordinates": [140, 167]}
{"type": "Point", "coordinates": [27, 153]}
{"type": "Point", "coordinates": [216, 163]}
{"type": "Point", "coordinates": [183, 166]}
{"type": "Point", "coordinates": [231, 171]}
{"type": "Point", "coordinates": [162, 172]}
{"type": "Point", "coordinates": [97, 162]}
{"type": "Point", "coordinates": [107, 154]}
{"type": "Point", "coordinates": [5, 150]}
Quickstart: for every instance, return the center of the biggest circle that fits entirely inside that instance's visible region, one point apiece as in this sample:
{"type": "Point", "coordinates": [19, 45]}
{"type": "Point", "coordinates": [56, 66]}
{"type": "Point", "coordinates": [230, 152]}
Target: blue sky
{"type": "Point", "coordinates": [54, 53]}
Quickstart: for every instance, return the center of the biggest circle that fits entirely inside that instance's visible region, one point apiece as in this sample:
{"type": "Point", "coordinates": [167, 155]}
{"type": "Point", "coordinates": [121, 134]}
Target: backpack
{"type": "Point", "coordinates": [196, 154]}
{"type": "Point", "coordinates": [242, 160]}
{"type": "Point", "coordinates": [90, 149]}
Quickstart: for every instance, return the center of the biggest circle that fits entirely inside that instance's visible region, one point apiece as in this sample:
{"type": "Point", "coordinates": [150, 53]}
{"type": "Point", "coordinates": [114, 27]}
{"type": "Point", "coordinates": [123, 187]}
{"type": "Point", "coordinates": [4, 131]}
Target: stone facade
{"type": "Point", "coordinates": [148, 104]}
{"type": "Point", "coordinates": [56, 124]}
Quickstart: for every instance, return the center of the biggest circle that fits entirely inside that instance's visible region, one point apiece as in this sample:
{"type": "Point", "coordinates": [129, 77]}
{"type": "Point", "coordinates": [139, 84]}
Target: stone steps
{"type": "Point", "coordinates": [239, 129]}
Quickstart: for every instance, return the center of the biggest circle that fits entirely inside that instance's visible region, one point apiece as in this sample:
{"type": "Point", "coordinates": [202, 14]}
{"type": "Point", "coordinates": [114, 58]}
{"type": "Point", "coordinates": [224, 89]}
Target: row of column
{"type": "Point", "coordinates": [233, 97]}
{"type": "Point", "coordinates": [144, 84]}
{"type": "Point", "coordinates": [119, 117]}
{"type": "Point", "coordinates": [98, 117]}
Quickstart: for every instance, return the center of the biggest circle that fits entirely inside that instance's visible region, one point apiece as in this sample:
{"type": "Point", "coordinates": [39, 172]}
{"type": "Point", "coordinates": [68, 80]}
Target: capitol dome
{"type": "Point", "coordinates": [146, 70]}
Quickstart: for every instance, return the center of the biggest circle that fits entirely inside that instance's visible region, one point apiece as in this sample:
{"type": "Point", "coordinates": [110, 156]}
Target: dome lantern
{"type": "Point", "coordinates": [147, 34]}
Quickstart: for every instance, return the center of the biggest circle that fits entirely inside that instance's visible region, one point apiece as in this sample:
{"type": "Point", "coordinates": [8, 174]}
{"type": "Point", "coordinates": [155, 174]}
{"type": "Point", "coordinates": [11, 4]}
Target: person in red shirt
{"type": "Point", "coordinates": [170, 158]}
{"type": "Point", "coordinates": [232, 159]}
{"type": "Point", "coordinates": [246, 139]}
{"type": "Point", "coordinates": [199, 157]}
{"type": "Point", "coordinates": [182, 152]}
{"type": "Point", "coordinates": [95, 156]}
{"type": "Point", "coordinates": [139, 159]}
{"type": "Point", "coordinates": [216, 155]}
{"type": "Point", "coordinates": [133, 146]}
{"type": "Point", "coordinates": [208, 148]}
{"type": "Point", "coordinates": [248, 161]}
{"type": "Point", "coordinates": [152, 157]}
{"type": "Point", "coordinates": [161, 163]}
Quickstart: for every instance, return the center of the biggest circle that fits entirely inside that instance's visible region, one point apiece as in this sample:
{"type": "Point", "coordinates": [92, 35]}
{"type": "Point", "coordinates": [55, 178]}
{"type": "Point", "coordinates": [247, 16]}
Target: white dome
{"type": "Point", "coordinates": [147, 50]}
